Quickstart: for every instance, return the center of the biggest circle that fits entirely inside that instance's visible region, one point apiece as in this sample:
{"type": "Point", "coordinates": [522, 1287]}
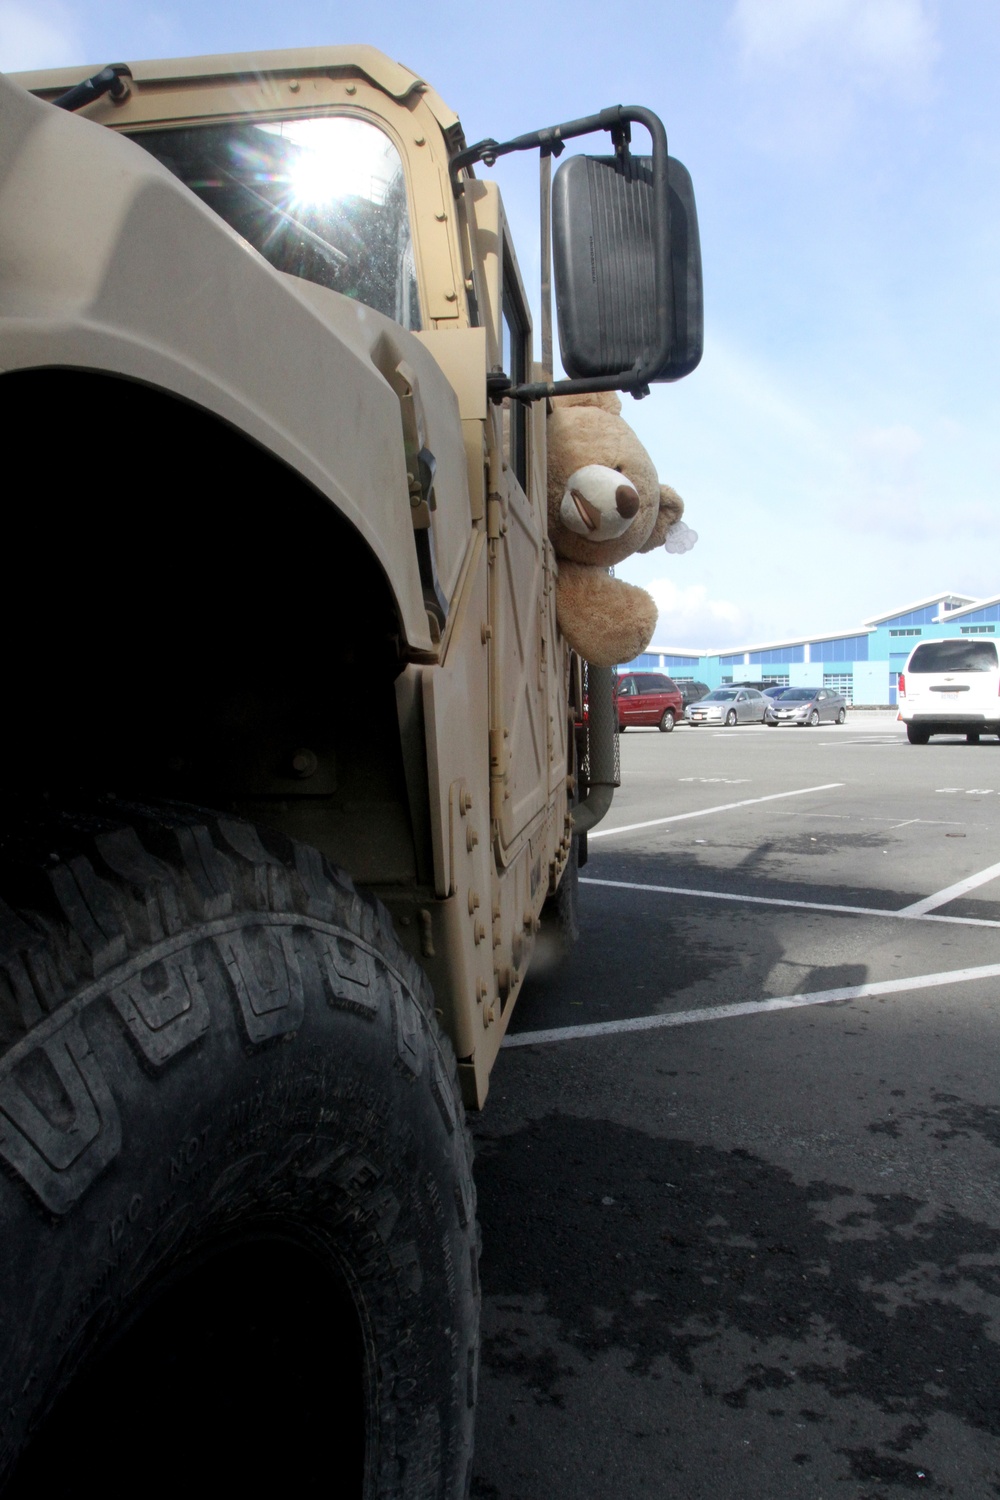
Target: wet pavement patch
{"type": "Point", "coordinates": [662, 1248]}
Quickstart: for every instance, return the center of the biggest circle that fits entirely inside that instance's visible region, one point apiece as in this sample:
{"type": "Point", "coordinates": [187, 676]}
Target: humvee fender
{"type": "Point", "coordinates": [280, 625]}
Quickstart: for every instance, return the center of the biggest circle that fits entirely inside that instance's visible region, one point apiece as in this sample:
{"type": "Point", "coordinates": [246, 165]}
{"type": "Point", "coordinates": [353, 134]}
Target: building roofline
{"type": "Point", "coordinates": [968, 609]}
{"type": "Point", "coordinates": [692, 651]}
{"type": "Point", "coordinates": [905, 609]}
{"type": "Point", "coordinates": [867, 627]}
{"type": "Point", "coordinates": [795, 640]}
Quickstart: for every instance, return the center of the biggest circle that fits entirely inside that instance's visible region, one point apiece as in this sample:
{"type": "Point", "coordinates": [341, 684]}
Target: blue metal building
{"type": "Point", "coordinates": [863, 664]}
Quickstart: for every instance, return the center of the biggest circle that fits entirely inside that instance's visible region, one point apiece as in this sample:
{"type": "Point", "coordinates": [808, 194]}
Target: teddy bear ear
{"type": "Point", "coordinates": [671, 510]}
{"type": "Point", "coordinates": [605, 400]}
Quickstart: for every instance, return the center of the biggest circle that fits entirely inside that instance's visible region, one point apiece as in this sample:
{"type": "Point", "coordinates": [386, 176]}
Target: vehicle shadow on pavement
{"type": "Point", "coordinates": [769, 868]}
{"type": "Point", "coordinates": [641, 953]}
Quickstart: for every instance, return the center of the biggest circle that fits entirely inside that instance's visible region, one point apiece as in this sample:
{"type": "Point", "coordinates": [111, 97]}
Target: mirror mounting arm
{"type": "Point", "coordinates": [617, 121]}
{"type": "Point", "coordinates": [113, 80]}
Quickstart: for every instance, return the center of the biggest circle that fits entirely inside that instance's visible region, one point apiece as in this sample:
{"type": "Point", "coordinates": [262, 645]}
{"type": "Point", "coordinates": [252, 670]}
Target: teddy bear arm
{"type": "Point", "coordinates": [604, 619]}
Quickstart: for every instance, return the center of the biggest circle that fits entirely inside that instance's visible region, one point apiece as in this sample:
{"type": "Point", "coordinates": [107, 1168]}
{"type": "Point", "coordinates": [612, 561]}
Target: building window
{"type": "Point", "coordinates": [977, 629]}
{"type": "Point", "coordinates": [840, 682]}
{"type": "Point", "coordinates": [905, 632]}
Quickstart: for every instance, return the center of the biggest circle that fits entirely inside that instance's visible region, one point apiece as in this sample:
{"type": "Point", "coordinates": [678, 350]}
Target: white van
{"type": "Point", "coordinates": [950, 687]}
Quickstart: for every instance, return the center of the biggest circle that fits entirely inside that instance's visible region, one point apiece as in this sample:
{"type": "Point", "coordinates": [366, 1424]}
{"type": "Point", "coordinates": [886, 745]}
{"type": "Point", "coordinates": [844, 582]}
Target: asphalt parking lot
{"type": "Point", "coordinates": [738, 1171]}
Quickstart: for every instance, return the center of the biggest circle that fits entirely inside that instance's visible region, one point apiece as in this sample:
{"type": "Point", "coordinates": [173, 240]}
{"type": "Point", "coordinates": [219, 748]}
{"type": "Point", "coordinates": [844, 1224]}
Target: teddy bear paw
{"type": "Point", "coordinates": [680, 538]}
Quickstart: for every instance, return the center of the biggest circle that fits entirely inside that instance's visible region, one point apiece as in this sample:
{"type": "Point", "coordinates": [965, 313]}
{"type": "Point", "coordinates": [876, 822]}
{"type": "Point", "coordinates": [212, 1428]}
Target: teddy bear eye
{"type": "Point", "coordinates": [619, 469]}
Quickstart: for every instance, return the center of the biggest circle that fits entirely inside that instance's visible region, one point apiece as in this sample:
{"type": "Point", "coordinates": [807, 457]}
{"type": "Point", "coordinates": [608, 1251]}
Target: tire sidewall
{"type": "Point", "coordinates": [305, 1091]}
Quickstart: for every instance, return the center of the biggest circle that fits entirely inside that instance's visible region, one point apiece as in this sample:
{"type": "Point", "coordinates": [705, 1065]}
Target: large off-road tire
{"type": "Point", "coordinates": [237, 1205]}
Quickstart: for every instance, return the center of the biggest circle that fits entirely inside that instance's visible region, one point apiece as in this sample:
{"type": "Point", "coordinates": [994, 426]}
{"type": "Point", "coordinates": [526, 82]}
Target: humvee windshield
{"type": "Point", "coordinates": [322, 198]}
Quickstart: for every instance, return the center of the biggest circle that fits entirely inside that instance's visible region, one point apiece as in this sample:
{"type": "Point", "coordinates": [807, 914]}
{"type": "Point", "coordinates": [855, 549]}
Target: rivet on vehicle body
{"type": "Point", "coordinates": [352, 88]}
{"type": "Point", "coordinates": [471, 839]}
{"type": "Point", "coordinates": [473, 901]}
{"type": "Point", "coordinates": [451, 296]}
{"type": "Point", "coordinates": [481, 991]}
{"type": "Point", "coordinates": [478, 933]}
{"type": "Point", "coordinates": [485, 633]}
{"type": "Point", "coordinates": [294, 85]}
{"type": "Point", "coordinates": [465, 800]}
{"type": "Point", "coordinates": [489, 1015]}
{"type": "Point", "coordinates": [305, 763]}
{"type": "Point", "coordinates": [420, 140]}
{"type": "Point", "coordinates": [441, 217]}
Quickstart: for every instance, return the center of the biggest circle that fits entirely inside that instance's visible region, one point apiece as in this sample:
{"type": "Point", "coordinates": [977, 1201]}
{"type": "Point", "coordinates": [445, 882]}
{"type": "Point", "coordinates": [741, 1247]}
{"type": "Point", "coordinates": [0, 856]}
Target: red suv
{"type": "Point", "coordinates": [648, 698]}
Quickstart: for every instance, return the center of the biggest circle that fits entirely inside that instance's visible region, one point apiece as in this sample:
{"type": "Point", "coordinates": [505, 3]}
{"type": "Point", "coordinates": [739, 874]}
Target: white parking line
{"type": "Point", "coordinates": [860, 818]}
{"type": "Point", "coordinates": [950, 892]}
{"type": "Point", "coordinates": [749, 1007]}
{"type": "Point", "coordinates": [703, 812]}
{"type": "Point", "coordinates": [908, 913]}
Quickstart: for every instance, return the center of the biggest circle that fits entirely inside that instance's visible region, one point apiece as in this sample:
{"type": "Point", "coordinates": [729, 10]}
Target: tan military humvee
{"type": "Point", "coordinates": [281, 624]}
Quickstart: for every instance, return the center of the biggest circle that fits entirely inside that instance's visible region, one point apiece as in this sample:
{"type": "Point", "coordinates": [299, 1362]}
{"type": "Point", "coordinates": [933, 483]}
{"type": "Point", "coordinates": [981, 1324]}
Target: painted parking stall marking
{"type": "Point", "coordinates": [724, 780]}
{"type": "Point", "coordinates": [924, 910]}
{"type": "Point", "coordinates": [750, 1007]}
{"type": "Point", "coordinates": [951, 892]}
{"type": "Point", "coordinates": [918, 912]}
{"type": "Point", "coordinates": [703, 812]}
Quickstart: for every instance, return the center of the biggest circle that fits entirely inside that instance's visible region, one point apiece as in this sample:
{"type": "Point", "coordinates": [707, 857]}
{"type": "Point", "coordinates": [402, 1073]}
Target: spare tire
{"type": "Point", "coordinates": [224, 1096]}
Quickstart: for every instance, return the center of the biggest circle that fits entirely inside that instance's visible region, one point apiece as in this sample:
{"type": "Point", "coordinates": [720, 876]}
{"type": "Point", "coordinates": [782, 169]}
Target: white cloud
{"type": "Point", "coordinates": [689, 616]}
{"type": "Point", "coordinates": [895, 446]}
{"type": "Point", "coordinates": [814, 68]}
{"type": "Point", "coordinates": [887, 478]}
{"type": "Point", "coordinates": [42, 35]}
{"type": "Point", "coordinates": [878, 43]}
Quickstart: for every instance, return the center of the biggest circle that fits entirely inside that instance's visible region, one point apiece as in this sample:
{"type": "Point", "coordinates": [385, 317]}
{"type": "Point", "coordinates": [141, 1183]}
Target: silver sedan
{"type": "Point", "coordinates": [728, 706]}
{"type": "Point", "coordinates": [807, 705]}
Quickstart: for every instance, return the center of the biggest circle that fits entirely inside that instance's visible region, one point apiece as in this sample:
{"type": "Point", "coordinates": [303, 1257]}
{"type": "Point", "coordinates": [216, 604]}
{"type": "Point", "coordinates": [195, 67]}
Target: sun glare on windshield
{"type": "Point", "coordinates": [335, 159]}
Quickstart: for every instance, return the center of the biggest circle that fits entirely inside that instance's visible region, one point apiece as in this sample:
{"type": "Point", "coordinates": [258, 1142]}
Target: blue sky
{"type": "Point", "coordinates": [838, 448]}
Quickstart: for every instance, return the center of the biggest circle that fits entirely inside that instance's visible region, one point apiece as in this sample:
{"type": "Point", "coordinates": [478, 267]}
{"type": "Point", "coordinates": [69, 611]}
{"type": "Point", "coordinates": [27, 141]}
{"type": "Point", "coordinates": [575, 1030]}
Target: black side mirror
{"type": "Point", "coordinates": [627, 257]}
{"type": "Point", "coordinates": [605, 255]}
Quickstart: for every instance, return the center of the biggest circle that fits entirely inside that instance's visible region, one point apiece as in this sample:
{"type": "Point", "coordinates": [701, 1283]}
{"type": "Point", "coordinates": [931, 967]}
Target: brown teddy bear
{"type": "Point", "coordinates": [605, 502]}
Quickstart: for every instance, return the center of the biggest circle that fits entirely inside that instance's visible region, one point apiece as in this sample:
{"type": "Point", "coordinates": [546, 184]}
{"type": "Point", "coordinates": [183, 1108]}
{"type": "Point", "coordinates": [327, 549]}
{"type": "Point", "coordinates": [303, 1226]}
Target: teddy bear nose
{"type": "Point", "coordinates": [626, 501]}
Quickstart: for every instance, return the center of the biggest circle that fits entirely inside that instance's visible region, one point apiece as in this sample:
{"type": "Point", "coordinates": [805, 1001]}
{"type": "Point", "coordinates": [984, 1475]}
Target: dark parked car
{"type": "Point", "coordinates": [692, 691]}
{"type": "Point", "coordinates": [806, 705]}
{"type": "Point", "coordinates": [648, 698]}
